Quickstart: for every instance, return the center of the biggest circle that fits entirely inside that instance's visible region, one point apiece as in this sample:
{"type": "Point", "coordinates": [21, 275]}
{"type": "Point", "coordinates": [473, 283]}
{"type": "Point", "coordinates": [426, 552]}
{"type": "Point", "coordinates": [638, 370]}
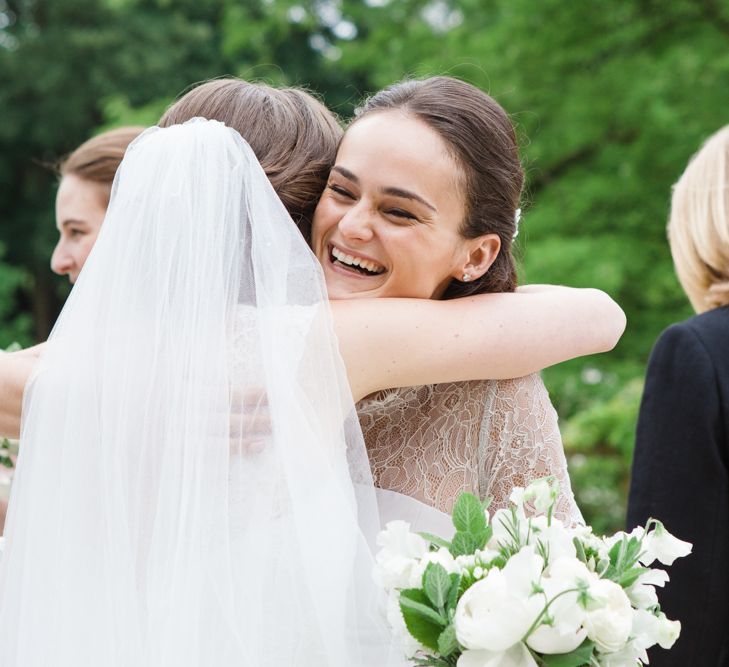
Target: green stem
{"type": "Point", "coordinates": [539, 618]}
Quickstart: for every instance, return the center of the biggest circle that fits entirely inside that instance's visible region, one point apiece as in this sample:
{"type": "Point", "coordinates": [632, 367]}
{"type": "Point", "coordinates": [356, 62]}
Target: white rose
{"type": "Point", "coordinates": [660, 545]}
{"type": "Point", "coordinates": [516, 656]}
{"type": "Point", "coordinates": [399, 555]}
{"type": "Point", "coordinates": [609, 615]}
{"type": "Point", "coordinates": [565, 632]}
{"type": "Point", "coordinates": [496, 612]}
{"type": "Point", "coordinates": [397, 540]}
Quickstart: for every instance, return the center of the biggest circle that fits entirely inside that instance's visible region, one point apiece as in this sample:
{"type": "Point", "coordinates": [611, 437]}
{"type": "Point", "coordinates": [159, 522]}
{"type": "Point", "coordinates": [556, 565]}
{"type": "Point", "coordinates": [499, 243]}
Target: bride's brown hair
{"type": "Point", "coordinates": [294, 136]}
{"type": "Point", "coordinates": [482, 141]}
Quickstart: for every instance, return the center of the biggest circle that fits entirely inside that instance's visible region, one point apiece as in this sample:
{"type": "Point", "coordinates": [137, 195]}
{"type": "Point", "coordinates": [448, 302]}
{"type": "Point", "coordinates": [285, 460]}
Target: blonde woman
{"type": "Point", "coordinates": [681, 462]}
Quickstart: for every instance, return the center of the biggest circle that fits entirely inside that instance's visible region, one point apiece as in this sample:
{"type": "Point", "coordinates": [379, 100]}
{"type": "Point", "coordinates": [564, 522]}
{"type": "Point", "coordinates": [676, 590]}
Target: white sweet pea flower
{"type": "Point", "coordinates": [660, 545]}
{"type": "Point", "coordinates": [644, 631]}
{"type": "Point", "coordinates": [542, 494]}
{"type": "Point", "coordinates": [556, 540]}
{"type": "Point", "coordinates": [516, 656]}
{"type": "Point", "coordinates": [496, 612]}
{"type": "Point", "coordinates": [668, 631]}
{"type": "Point", "coordinates": [609, 617]}
{"type": "Point", "coordinates": [627, 656]}
{"type": "Point", "coordinates": [502, 524]}
{"type": "Point", "coordinates": [650, 629]}
{"type": "Point", "coordinates": [610, 540]}
{"type": "Point", "coordinates": [642, 593]}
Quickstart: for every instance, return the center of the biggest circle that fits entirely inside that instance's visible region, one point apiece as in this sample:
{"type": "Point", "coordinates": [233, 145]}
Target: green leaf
{"type": "Point", "coordinates": [464, 544]}
{"type": "Point", "coordinates": [579, 547]}
{"type": "Point", "coordinates": [434, 539]}
{"type": "Point", "coordinates": [447, 642]}
{"type": "Point", "coordinates": [454, 594]}
{"type": "Point", "coordinates": [578, 658]}
{"type": "Point", "coordinates": [468, 514]}
{"type": "Point", "coordinates": [422, 622]}
{"type": "Point", "coordinates": [436, 584]}
{"type": "Point", "coordinates": [629, 577]}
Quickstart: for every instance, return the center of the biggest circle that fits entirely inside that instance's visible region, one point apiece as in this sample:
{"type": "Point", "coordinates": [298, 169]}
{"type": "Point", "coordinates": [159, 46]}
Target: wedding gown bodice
{"type": "Point", "coordinates": [432, 442]}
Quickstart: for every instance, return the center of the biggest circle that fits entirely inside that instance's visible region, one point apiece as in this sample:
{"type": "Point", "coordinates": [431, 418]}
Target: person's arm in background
{"type": "Point", "coordinates": [15, 369]}
{"type": "Point", "coordinates": [680, 477]}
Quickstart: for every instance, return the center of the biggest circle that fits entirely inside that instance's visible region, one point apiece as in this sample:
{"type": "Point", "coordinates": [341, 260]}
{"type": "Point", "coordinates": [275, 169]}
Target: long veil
{"type": "Point", "coordinates": [192, 488]}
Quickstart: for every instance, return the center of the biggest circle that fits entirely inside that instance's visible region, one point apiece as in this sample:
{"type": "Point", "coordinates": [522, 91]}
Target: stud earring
{"type": "Point", "coordinates": [466, 277]}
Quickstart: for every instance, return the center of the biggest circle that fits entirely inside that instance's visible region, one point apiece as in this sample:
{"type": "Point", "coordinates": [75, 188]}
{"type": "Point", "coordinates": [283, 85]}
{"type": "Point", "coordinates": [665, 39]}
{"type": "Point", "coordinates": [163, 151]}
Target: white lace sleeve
{"type": "Point", "coordinates": [520, 441]}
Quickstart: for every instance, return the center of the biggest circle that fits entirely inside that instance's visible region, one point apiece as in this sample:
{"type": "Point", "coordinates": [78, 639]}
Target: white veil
{"type": "Point", "coordinates": [193, 488]}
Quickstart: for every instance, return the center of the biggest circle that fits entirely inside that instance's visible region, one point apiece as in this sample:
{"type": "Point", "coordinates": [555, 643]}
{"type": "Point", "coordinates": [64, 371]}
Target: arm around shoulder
{"type": "Point", "coordinates": [406, 342]}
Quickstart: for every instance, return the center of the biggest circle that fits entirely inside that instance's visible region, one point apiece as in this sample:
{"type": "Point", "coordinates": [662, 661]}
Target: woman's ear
{"type": "Point", "coordinates": [482, 253]}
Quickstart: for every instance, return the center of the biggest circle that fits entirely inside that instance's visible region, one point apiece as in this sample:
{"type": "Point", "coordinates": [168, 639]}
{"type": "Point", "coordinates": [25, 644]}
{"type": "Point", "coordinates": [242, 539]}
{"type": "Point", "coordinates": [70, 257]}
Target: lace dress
{"type": "Point", "coordinates": [432, 442]}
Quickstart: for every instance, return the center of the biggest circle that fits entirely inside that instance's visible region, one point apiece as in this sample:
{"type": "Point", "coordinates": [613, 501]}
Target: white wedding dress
{"type": "Point", "coordinates": [143, 530]}
{"type": "Point", "coordinates": [430, 443]}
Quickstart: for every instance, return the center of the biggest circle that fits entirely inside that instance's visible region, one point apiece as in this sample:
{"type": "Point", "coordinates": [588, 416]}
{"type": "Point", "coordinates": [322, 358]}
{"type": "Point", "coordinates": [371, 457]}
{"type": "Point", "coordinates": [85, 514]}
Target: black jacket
{"type": "Point", "coordinates": [681, 477]}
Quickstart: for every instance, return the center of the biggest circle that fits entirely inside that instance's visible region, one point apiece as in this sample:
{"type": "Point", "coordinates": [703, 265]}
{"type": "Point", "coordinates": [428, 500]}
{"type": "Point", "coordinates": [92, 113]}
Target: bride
{"type": "Point", "coordinates": [139, 551]}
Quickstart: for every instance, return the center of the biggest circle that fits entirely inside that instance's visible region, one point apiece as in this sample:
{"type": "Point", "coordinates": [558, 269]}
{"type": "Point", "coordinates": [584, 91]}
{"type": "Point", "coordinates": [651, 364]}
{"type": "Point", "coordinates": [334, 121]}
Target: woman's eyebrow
{"type": "Point", "coordinates": [72, 221]}
{"type": "Point", "coordinates": [346, 173]}
{"type": "Point", "coordinates": [406, 194]}
{"type": "Point", "coordinates": [395, 192]}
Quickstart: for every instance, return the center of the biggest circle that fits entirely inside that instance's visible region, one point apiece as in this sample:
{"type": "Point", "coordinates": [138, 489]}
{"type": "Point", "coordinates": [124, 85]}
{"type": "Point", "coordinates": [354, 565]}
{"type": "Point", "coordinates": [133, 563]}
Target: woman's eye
{"type": "Point", "coordinates": [399, 213]}
{"type": "Point", "coordinates": [339, 190]}
{"type": "Point", "coordinates": [76, 233]}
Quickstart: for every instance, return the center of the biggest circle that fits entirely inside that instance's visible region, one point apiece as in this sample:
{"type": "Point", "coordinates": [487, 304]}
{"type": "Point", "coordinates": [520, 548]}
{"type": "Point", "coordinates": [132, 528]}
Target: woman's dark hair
{"type": "Point", "coordinates": [294, 136]}
{"type": "Point", "coordinates": [482, 141]}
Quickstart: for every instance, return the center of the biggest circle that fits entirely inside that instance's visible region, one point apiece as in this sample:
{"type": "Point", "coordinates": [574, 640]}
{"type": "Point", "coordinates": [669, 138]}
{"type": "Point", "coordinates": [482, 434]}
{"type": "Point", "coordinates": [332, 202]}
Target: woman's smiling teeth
{"type": "Point", "coordinates": [363, 266]}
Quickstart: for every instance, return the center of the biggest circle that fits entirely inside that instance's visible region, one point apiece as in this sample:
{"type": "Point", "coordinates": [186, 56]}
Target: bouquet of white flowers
{"type": "Point", "coordinates": [518, 591]}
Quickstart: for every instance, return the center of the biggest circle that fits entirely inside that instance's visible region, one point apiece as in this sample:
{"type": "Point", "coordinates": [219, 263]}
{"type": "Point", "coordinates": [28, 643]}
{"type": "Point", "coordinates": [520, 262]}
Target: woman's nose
{"type": "Point", "coordinates": [61, 260]}
{"type": "Point", "coordinates": [357, 223]}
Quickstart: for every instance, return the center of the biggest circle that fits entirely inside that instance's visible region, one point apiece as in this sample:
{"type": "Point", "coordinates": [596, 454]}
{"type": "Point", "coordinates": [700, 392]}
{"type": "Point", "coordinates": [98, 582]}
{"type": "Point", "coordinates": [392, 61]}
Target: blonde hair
{"type": "Point", "coordinates": [698, 228]}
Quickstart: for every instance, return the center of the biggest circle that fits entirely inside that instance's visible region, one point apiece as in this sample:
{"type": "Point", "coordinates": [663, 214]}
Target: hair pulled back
{"type": "Point", "coordinates": [98, 158]}
{"type": "Point", "coordinates": [482, 141]}
{"type": "Point", "coordinates": [293, 135]}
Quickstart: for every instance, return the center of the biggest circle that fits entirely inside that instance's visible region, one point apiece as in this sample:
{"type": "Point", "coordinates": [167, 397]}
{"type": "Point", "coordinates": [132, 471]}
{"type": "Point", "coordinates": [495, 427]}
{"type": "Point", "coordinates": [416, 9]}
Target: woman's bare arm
{"type": "Point", "coordinates": [405, 342]}
{"type": "Point", "coordinates": [15, 369]}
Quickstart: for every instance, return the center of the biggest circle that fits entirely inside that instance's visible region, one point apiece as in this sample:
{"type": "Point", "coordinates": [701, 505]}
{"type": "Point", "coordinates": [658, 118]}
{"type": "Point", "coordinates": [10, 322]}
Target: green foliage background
{"type": "Point", "coordinates": [611, 97]}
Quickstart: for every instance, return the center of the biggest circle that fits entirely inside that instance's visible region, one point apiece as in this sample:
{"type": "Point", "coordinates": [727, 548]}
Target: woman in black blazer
{"type": "Point", "coordinates": [681, 461]}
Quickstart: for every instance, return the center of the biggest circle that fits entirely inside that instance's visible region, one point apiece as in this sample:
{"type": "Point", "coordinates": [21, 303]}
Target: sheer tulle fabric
{"type": "Point", "coordinates": [192, 487]}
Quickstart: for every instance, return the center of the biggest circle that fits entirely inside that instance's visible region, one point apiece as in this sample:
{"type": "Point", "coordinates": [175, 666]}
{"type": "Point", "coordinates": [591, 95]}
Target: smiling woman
{"type": "Point", "coordinates": [393, 198]}
{"type": "Point", "coordinates": [83, 195]}
{"type": "Point", "coordinates": [423, 202]}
